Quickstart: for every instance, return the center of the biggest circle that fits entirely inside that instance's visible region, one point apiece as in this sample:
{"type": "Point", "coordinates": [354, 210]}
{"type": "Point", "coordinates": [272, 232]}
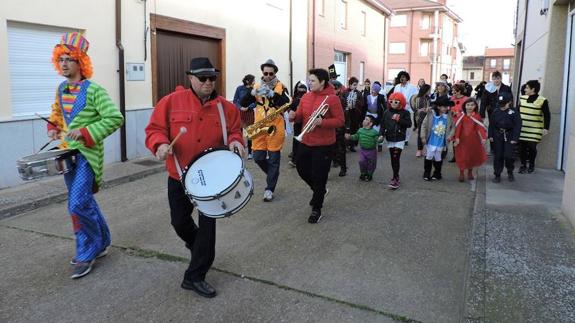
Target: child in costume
{"type": "Point", "coordinates": [368, 139]}
{"type": "Point", "coordinates": [396, 121]}
{"type": "Point", "coordinates": [435, 133]}
{"type": "Point", "coordinates": [83, 115]}
{"type": "Point", "coordinates": [470, 136]}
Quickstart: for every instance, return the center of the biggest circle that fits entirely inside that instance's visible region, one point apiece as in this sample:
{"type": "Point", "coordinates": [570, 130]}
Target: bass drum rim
{"type": "Point", "coordinates": [237, 208]}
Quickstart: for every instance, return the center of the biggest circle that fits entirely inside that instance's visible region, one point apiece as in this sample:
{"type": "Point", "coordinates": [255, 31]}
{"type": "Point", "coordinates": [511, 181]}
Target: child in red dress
{"type": "Point", "coordinates": [470, 137]}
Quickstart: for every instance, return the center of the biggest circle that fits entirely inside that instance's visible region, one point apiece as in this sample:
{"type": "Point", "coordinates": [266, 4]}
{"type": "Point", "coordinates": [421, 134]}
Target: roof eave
{"type": "Point", "coordinates": [381, 6]}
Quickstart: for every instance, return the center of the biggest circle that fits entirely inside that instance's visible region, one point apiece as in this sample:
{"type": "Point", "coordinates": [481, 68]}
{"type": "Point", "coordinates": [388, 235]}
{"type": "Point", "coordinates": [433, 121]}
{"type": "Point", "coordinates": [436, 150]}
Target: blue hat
{"type": "Point", "coordinates": [504, 98]}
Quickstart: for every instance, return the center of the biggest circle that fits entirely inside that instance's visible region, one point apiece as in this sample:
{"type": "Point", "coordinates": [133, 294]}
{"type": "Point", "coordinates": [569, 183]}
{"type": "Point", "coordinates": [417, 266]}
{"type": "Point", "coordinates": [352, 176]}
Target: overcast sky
{"type": "Point", "coordinates": [486, 23]}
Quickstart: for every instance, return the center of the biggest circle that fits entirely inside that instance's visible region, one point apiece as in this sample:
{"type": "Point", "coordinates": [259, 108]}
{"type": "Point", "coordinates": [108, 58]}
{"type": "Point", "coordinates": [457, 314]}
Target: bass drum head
{"type": "Point", "coordinates": [213, 173]}
{"type": "Point", "coordinates": [234, 201]}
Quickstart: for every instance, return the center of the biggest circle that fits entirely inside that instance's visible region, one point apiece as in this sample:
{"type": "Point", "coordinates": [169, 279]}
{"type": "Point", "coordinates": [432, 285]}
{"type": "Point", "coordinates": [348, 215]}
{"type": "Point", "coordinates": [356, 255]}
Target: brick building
{"type": "Point", "coordinates": [423, 39]}
{"type": "Point", "coordinates": [499, 59]}
{"type": "Point", "coordinates": [473, 69]}
{"type": "Point", "coordinates": [350, 34]}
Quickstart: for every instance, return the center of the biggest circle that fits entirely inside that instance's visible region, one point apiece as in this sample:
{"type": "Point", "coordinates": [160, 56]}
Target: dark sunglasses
{"type": "Point", "coordinates": [203, 79]}
{"type": "Point", "coordinates": [269, 73]}
{"type": "Point", "coordinates": [394, 101]}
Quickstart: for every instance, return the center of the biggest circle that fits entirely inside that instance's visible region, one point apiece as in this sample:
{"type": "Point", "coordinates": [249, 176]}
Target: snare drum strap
{"type": "Point", "coordinates": [224, 133]}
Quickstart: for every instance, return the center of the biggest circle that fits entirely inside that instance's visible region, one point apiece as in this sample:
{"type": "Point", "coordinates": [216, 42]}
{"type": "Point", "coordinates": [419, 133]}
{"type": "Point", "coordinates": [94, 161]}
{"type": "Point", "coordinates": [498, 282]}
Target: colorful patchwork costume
{"type": "Point", "coordinates": [86, 106]}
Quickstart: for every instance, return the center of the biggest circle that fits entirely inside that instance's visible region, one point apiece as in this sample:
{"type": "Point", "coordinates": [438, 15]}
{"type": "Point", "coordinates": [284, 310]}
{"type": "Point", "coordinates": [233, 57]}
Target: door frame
{"type": "Point", "coordinates": [159, 22]}
{"type": "Point", "coordinates": [568, 51]}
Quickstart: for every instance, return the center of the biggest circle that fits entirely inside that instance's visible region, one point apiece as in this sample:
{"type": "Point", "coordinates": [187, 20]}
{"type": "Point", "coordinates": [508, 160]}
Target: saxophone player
{"type": "Point", "coordinates": [321, 113]}
{"type": "Point", "coordinates": [268, 95]}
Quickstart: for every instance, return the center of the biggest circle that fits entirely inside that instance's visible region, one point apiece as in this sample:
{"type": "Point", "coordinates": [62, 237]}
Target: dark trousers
{"type": "Point", "coordinates": [340, 149]}
{"type": "Point", "coordinates": [269, 162]}
{"type": "Point", "coordinates": [249, 146]}
{"type": "Point", "coordinates": [200, 239]}
{"type": "Point", "coordinates": [503, 154]}
{"type": "Point", "coordinates": [295, 144]}
{"type": "Point", "coordinates": [395, 154]}
{"type": "Point", "coordinates": [313, 165]}
{"type": "Point", "coordinates": [527, 152]}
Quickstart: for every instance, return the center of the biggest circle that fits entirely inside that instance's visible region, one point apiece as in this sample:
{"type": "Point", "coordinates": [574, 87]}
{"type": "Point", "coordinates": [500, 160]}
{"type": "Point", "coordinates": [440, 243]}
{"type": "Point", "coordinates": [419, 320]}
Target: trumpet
{"type": "Point", "coordinates": [311, 122]}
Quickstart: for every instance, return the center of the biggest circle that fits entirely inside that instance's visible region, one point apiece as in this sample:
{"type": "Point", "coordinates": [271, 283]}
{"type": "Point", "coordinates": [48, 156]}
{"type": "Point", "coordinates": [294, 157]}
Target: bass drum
{"type": "Point", "coordinates": [218, 183]}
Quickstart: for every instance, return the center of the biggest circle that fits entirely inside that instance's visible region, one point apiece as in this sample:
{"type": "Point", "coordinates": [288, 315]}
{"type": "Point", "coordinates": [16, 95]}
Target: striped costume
{"type": "Point", "coordinates": [535, 117]}
{"type": "Point", "coordinates": [86, 106]}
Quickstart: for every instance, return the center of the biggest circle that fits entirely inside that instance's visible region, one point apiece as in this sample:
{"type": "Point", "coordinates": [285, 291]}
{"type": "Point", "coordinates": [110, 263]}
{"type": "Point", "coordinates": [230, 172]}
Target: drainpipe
{"type": "Point", "coordinates": [518, 82]}
{"type": "Point", "coordinates": [435, 37]}
{"type": "Point", "coordinates": [313, 36]}
{"type": "Point", "coordinates": [411, 41]}
{"type": "Point", "coordinates": [123, 154]}
{"type": "Point", "coordinates": [290, 45]}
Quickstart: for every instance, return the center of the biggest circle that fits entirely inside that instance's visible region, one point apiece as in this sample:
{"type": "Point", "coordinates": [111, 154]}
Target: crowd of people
{"type": "Point", "coordinates": [329, 120]}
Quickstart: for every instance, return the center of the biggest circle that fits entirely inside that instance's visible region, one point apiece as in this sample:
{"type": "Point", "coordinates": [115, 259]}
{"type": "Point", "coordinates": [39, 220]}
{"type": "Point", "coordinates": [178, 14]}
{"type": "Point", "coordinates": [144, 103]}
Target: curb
{"type": "Point", "coordinates": [474, 293]}
{"type": "Point", "coordinates": [61, 197]}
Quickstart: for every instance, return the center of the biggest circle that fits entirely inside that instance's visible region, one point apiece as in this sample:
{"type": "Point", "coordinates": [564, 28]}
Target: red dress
{"type": "Point", "coordinates": [470, 153]}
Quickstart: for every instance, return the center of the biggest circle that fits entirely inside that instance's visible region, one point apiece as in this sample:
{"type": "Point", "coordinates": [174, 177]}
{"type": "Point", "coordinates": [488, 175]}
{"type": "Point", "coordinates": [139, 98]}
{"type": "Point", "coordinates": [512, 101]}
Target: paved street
{"type": "Point", "coordinates": [377, 255]}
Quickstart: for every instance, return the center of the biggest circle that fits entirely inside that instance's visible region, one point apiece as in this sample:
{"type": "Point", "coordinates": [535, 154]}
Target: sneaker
{"type": "Point", "coordinates": [250, 156]}
{"type": "Point", "coordinates": [510, 177]}
{"type": "Point", "coordinates": [522, 169]}
{"type": "Point", "coordinates": [292, 164]}
{"type": "Point", "coordinates": [268, 196]}
{"type": "Point", "coordinates": [496, 179]}
{"type": "Point", "coordinates": [426, 177]}
{"type": "Point", "coordinates": [461, 178]}
{"type": "Point", "coordinates": [362, 177]}
{"type": "Point", "coordinates": [393, 184]}
{"type": "Point", "coordinates": [315, 216]}
{"type": "Point", "coordinates": [369, 178]}
{"type": "Point", "coordinates": [418, 153]}
{"type": "Point", "coordinates": [531, 169]}
{"type": "Point", "coordinates": [436, 177]}
{"type": "Point", "coordinates": [102, 253]}
{"type": "Point", "coordinates": [82, 269]}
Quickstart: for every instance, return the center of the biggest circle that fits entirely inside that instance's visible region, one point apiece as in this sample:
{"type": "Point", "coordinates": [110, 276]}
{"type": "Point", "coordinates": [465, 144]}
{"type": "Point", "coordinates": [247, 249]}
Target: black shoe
{"type": "Point", "coordinates": [407, 143]}
{"type": "Point", "coordinates": [201, 287]}
{"type": "Point", "coordinates": [362, 177]}
{"type": "Point", "coordinates": [452, 160]}
{"type": "Point", "coordinates": [510, 177]}
{"type": "Point", "coordinates": [369, 178]}
{"type": "Point", "coordinates": [315, 216]}
{"type": "Point", "coordinates": [522, 169]}
{"type": "Point", "coordinates": [496, 179]}
{"type": "Point", "coordinates": [334, 165]}
{"type": "Point", "coordinates": [82, 269]}
{"type": "Point", "coordinates": [426, 177]}
{"type": "Point", "coordinates": [436, 176]}
{"type": "Point", "coordinates": [352, 149]}
{"type": "Point", "coordinates": [379, 148]}
{"type": "Point", "coordinates": [531, 169]}
{"type": "Point", "coordinates": [342, 172]}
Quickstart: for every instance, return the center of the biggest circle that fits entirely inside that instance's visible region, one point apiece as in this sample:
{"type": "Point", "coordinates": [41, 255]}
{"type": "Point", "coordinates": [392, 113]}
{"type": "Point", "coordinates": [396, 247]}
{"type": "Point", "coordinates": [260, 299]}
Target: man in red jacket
{"type": "Point", "coordinates": [316, 149]}
{"type": "Point", "coordinates": [196, 110]}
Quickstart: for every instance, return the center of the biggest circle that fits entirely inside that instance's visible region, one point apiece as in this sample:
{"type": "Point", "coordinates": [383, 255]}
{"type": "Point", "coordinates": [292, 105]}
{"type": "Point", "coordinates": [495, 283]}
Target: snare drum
{"type": "Point", "coordinates": [47, 163]}
{"type": "Point", "coordinates": [218, 183]}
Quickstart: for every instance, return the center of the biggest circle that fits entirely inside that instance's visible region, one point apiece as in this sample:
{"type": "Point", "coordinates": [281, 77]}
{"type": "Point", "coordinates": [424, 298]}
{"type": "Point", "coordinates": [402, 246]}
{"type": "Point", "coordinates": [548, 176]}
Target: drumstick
{"type": "Point", "coordinates": [45, 145]}
{"type": "Point", "coordinates": [46, 119]}
{"type": "Point", "coordinates": [183, 130]}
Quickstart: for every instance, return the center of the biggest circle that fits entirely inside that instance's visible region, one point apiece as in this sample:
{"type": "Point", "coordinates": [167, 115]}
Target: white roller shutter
{"type": "Point", "coordinates": [33, 79]}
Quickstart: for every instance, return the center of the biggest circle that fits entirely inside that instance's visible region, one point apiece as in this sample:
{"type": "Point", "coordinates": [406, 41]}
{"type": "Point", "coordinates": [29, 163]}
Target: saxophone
{"type": "Point", "coordinates": [262, 126]}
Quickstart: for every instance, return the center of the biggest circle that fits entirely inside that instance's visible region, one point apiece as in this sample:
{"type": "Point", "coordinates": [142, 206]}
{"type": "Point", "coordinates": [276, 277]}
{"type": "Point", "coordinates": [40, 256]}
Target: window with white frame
{"type": "Point", "coordinates": [506, 63]}
{"type": "Point", "coordinates": [33, 80]}
{"type": "Point", "coordinates": [398, 21]}
{"type": "Point", "coordinates": [472, 75]}
{"type": "Point", "coordinates": [342, 13]}
{"type": "Point", "coordinates": [397, 48]}
{"type": "Point", "coordinates": [493, 63]}
{"type": "Point", "coordinates": [424, 48]}
{"type": "Point", "coordinates": [425, 21]}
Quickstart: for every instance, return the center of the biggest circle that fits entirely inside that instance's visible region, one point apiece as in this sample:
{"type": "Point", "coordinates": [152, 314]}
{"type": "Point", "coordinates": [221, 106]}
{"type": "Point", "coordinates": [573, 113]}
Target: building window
{"type": "Point", "coordinates": [392, 73]}
{"type": "Point", "coordinates": [361, 71]}
{"type": "Point", "coordinates": [364, 22]}
{"type": "Point", "coordinates": [425, 22]}
{"type": "Point", "coordinates": [506, 63]}
{"type": "Point", "coordinates": [424, 48]}
{"type": "Point", "coordinates": [398, 21]}
{"type": "Point", "coordinates": [472, 75]}
{"type": "Point", "coordinates": [30, 52]}
{"type": "Point", "coordinates": [397, 48]}
{"type": "Point", "coordinates": [319, 5]}
{"type": "Point", "coordinates": [493, 63]}
{"type": "Point", "coordinates": [342, 13]}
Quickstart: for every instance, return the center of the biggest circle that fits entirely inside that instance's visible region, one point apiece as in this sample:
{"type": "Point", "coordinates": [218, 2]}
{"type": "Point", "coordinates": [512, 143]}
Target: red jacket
{"type": "Point", "coordinates": [324, 134]}
{"type": "Point", "coordinates": [184, 109]}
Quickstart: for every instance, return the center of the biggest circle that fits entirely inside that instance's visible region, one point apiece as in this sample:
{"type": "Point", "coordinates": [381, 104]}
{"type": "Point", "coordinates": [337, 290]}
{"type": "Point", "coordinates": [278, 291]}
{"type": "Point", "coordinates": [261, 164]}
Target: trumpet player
{"type": "Point", "coordinates": [320, 112]}
{"type": "Point", "coordinates": [268, 95]}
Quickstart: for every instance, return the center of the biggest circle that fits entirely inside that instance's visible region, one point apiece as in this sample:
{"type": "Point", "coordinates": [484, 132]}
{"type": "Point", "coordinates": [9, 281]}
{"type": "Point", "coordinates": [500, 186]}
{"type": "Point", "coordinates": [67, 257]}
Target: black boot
{"type": "Point", "coordinates": [342, 171]}
{"type": "Point", "coordinates": [531, 168]}
{"type": "Point", "coordinates": [510, 176]}
{"type": "Point", "coordinates": [522, 169]}
{"type": "Point", "coordinates": [437, 172]}
{"type": "Point", "coordinates": [427, 169]}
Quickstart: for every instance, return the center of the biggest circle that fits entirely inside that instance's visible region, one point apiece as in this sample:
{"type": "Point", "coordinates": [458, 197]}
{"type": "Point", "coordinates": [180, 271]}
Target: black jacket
{"type": "Point", "coordinates": [489, 101]}
{"type": "Point", "coordinates": [381, 107]}
{"type": "Point", "coordinates": [395, 131]}
{"type": "Point", "coordinates": [509, 120]}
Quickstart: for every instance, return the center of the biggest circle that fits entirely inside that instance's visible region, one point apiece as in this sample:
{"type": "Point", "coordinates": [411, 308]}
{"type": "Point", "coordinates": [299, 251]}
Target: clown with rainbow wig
{"type": "Point", "coordinates": [83, 115]}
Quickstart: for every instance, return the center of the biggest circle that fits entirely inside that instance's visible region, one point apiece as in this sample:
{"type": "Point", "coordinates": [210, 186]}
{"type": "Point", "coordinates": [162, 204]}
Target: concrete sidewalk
{"type": "Point", "coordinates": [37, 193]}
{"type": "Point", "coordinates": [523, 255]}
